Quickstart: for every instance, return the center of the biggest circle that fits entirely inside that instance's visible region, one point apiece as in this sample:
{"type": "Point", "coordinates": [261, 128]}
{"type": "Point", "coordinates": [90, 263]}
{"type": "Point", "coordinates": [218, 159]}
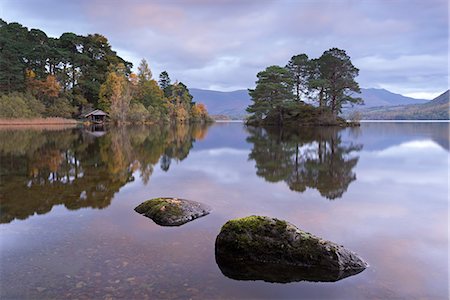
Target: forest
{"type": "Point", "coordinates": [42, 76]}
{"type": "Point", "coordinates": [305, 91]}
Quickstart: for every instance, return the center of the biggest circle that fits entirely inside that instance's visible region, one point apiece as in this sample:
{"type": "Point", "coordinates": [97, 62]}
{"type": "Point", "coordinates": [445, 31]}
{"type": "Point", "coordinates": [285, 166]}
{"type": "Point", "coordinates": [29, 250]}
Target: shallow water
{"type": "Point", "coordinates": [68, 228]}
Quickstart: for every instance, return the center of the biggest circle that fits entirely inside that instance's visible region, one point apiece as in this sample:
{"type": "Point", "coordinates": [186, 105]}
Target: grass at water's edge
{"type": "Point", "coordinates": [38, 121]}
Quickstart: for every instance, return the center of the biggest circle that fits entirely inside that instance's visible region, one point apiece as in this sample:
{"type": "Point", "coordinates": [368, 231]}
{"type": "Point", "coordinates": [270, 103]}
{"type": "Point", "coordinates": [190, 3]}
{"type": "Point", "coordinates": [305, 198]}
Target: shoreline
{"type": "Point", "coordinates": [38, 121]}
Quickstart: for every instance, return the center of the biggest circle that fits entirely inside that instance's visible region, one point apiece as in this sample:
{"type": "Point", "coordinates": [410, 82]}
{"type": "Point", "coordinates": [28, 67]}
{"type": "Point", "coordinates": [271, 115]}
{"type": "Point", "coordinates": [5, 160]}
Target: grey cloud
{"type": "Point", "coordinates": [225, 43]}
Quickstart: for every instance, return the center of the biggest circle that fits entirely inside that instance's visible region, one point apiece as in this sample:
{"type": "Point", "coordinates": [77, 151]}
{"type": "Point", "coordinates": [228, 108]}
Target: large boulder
{"type": "Point", "coordinates": [172, 211]}
{"type": "Point", "coordinates": [263, 248]}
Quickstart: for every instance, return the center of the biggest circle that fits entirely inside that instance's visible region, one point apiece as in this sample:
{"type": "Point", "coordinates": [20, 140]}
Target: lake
{"type": "Point", "coordinates": [68, 228]}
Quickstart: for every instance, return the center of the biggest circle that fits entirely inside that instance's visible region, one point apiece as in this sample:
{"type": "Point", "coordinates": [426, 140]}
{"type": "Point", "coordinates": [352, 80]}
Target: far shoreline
{"type": "Point", "coordinates": [404, 121]}
{"type": "Point", "coordinates": [361, 121]}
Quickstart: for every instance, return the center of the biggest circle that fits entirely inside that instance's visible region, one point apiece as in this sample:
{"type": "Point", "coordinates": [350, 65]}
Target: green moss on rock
{"type": "Point", "coordinates": [160, 206]}
{"type": "Point", "coordinates": [269, 240]}
{"type": "Point", "coordinates": [172, 211]}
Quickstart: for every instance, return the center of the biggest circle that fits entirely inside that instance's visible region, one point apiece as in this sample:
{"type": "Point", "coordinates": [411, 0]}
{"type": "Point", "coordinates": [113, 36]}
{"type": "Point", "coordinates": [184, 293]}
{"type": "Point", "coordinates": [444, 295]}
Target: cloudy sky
{"type": "Point", "coordinates": [399, 45]}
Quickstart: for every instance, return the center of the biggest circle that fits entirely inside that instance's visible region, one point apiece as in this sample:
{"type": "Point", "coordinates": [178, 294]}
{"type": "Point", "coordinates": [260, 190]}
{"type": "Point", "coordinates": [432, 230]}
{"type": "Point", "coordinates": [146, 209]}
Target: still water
{"type": "Point", "coordinates": [68, 228]}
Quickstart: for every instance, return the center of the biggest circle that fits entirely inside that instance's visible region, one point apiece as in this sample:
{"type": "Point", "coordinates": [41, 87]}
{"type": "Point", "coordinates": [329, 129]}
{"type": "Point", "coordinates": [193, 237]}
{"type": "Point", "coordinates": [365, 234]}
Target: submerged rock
{"type": "Point", "coordinates": [263, 248]}
{"type": "Point", "coordinates": [172, 211]}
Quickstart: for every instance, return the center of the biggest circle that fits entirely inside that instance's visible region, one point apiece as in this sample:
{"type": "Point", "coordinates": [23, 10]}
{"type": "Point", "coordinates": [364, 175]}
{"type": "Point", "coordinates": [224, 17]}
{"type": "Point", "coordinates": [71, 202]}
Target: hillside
{"type": "Point", "coordinates": [436, 109]}
{"type": "Point", "coordinates": [233, 104]}
{"type": "Point", "coordinates": [381, 97]}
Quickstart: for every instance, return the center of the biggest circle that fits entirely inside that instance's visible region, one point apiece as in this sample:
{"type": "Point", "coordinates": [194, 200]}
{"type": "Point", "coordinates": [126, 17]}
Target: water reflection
{"type": "Point", "coordinates": [81, 168]}
{"type": "Point", "coordinates": [315, 158]}
{"type": "Point", "coordinates": [271, 272]}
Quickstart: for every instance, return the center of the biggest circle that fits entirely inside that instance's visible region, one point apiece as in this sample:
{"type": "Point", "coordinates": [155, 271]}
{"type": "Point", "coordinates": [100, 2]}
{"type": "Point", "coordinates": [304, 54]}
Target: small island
{"type": "Point", "coordinates": [306, 92]}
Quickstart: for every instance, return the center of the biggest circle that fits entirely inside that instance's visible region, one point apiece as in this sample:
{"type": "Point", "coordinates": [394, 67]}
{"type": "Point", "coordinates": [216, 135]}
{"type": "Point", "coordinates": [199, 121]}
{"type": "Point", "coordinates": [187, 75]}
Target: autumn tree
{"type": "Point", "coordinates": [199, 112]}
{"type": "Point", "coordinates": [144, 72]}
{"type": "Point", "coordinates": [148, 92]}
{"type": "Point", "coordinates": [115, 95]}
{"type": "Point", "coordinates": [180, 103]}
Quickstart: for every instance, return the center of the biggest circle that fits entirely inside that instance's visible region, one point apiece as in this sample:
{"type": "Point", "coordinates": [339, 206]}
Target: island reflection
{"type": "Point", "coordinates": [81, 168]}
{"type": "Point", "coordinates": [316, 158]}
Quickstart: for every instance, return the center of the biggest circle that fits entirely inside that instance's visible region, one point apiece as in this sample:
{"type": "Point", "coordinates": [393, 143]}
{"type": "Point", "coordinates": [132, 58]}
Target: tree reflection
{"type": "Point", "coordinates": [308, 158]}
{"type": "Point", "coordinates": [40, 169]}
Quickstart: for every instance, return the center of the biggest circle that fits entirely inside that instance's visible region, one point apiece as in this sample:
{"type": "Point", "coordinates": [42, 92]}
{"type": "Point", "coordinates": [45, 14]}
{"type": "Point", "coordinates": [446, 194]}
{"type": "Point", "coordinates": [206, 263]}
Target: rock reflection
{"type": "Point", "coordinates": [270, 272]}
{"type": "Point", "coordinates": [307, 158]}
{"type": "Point", "coordinates": [40, 169]}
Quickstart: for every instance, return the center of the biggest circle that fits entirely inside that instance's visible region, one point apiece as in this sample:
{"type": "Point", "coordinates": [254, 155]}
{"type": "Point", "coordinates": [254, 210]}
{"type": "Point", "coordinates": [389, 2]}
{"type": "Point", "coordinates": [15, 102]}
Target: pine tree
{"type": "Point", "coordinates": [272, 95]}
{"type": "Point", "coordinates": [164, 83]}
{"type": "Point", "coordinates": [298, 67]}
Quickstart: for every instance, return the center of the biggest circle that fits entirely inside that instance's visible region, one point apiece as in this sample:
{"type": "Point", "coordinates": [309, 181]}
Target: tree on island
{"type": "Point", "coordinates": [273, 93]}
{"type": "Point", "coordinates": [333, 75]}
{"type": "Point", "coordinates": [280, 95]}
{"type": "Point", "coordinates": [298, 66]}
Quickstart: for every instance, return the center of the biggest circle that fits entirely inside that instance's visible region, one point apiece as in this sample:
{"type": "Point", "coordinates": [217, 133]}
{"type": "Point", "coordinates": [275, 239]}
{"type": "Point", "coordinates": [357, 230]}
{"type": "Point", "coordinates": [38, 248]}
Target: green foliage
{"type": "Point", "coordinates": [144, 73]}
{"type": "Point", "coordinates": [18, 105]}
{"type": "Point", "coordinates": [149, 93]}
{"type": "Point", "coordinates": [298, 66]}
{"type": "Point", "coordinates": [13, 45]}
{"type": "Point", "coordinates": [165, 84]}
{"type": "Point", "coordinates": [61, 107]}
{"type": "Point", "coordinates": [138, 113]}
{"type": "Point", "coordinates": [80, 63]}
{"type": "Point", "coordinates": [272, 94]}
{"type": "Point", "coordinates": [338, 74]}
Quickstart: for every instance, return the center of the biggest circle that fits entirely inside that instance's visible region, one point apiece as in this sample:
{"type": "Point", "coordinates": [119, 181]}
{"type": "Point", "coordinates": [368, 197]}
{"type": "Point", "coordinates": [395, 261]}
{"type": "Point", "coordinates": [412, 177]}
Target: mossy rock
{"type": "Point", "coordinates": [259, 247]}
{"type": "Point", "coordinates": [172, 211]}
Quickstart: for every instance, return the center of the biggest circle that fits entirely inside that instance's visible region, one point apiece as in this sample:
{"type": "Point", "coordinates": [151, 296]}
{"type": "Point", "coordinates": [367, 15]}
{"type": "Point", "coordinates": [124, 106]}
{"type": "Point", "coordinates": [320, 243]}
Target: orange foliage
{"type": "Point", "coordinates": [134, 80]}
{"type": "Point", "coordinates": [202, 108]}
{"type": "Point", "coordinates": [49, 87]}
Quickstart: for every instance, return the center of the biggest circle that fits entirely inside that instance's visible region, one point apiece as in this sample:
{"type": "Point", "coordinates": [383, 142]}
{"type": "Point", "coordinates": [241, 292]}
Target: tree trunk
{"type": "Point", "coordinates": [321, 97]}
{"type": "Point", "coordinates": [333, 105]}
{"type": "Point", "coordinates": [280, 117]}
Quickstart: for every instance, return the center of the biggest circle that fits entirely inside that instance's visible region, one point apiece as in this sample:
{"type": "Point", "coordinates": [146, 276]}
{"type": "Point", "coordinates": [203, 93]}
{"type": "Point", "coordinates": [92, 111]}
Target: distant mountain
{"type": "Point", "coordinates": [381, 97]}
{"type": "Point", "coordinates": [436, 109]}
{"type": "Point", "coordinates": [233, 104]}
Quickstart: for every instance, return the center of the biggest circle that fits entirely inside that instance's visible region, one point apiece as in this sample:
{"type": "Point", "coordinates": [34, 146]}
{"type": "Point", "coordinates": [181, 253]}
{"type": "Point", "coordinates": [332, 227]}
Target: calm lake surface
{"type": "Point", "coordinates": [68, 228]}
